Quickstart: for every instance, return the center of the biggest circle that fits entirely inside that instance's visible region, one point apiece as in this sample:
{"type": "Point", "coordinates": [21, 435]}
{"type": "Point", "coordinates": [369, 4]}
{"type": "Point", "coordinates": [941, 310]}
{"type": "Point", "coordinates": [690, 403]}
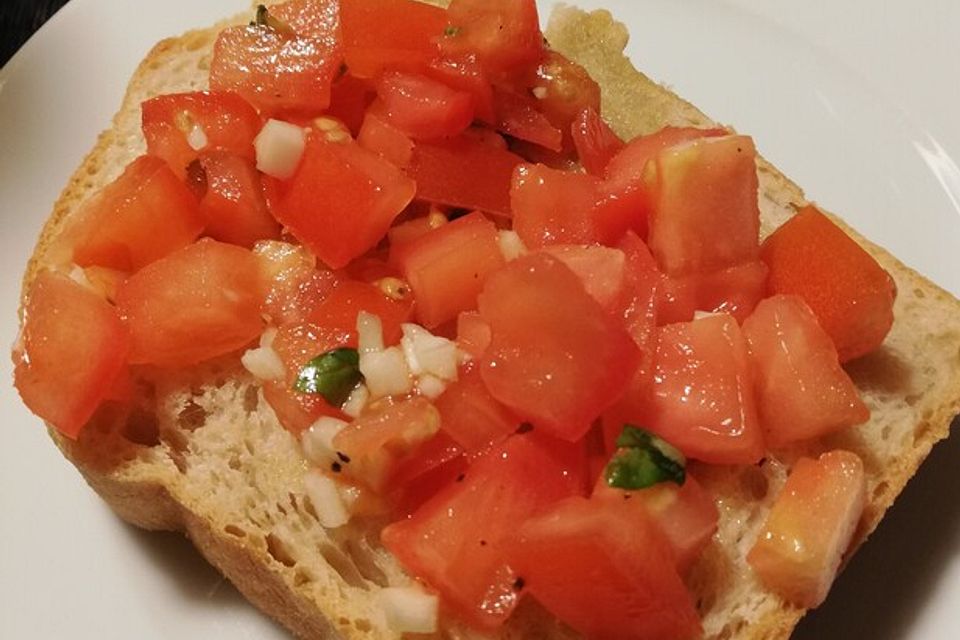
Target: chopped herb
{"type": "Point", "coordinates": [451, 31]}
{"type": "Point", "coordinates": [644, 460]}
{"type": "Point", "coordinates": [332, 375]}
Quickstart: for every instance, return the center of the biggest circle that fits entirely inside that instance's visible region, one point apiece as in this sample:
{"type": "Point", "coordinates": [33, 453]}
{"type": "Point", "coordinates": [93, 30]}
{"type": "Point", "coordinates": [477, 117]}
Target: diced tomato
{"type": "Point", "coordinates": [389, 34]}
{"type": "Point", "coordinates": [141, 216]}
{"type": "Point", "coordinates": [294, 285]}
{"type": "Point", "coordinates": [703, 398]}
{"type": "Point", "coordinates": [341, 200]}
{"type": "Point", "coordinates": [422, 108]}
{"type": "Point", "coordinates": [219, 120]}
{"type": "Point", "coordinates": [454, 542]}
{"type": "Point", "coordinates": [464, 172]}
{"type": "Point", "coordinates": [105, 281]}
{"type": "Point", "coordinates": [234, 205]}
{"type": "Point", "coordinates": [735, 290]}
{"type": "Point", "coordinates": [686, 514]}
{"type": "Point", "coordinates": [447, 267]}
{"type": "Point", "coordinates": [471, 416]}
{"type": "Point", "coordinates": [517, 115]}
{"type": "Point", "coordinates": [594, 140]}
{"type": "Point", "coordinates": [282, 69]}
{"type": "Point", "coordinates": [197, 303]}
{"type": "Point", "coordinates": [602, 270]}
{"type": "Point", "coordinates": [349, 99]}
{"type": "Point", "coordinates": [504, 34]}
{"type": "Point", "coordinates": [802, 391]}
{"type": "Point", "coordinates": [564, 90]}
{"type": "Point", "coordinates": [374, 443]}
{"type": "Point", "coordinates": [473, 333]}
{"type": "Point", "coordinates": [386, 140]}
{"type": "Point", "coordinates": [340, 307]}
{"type": "Point", "coordinates": [406, 232]}
{"type": "Point", "coordinates": [553, 207]}
{"type": "Point", "coordinates": [556, 357]}
{"type": "Point", "coordinates": [850, 293]}
{"type": "Point", "coordinates": [464, 73]}
{"type": "Point", "coordinates": [604, 572]}
{"type": "Point", "coordinates": [423, 474]}
{"type": "Point", "coordinates": [73, 347]}
{"type": "Point", "coordinates": [810, 526]}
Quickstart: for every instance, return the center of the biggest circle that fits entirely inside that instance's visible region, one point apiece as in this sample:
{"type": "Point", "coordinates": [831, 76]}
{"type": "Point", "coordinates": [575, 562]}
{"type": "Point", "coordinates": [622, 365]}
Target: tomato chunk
{"type": "Point", "coordinates": [234, 205]}
{"type": "Point", "coordinates": [386, 140]}
{"type": "Point", "coordinates": [349, 99]}
{"type": "Point", "coordinates": [448, 266]}
{"type": "Point", "coordinates": [422, 108]}
{"type": "Point", "coordinates": [517, 114]}
{"type": "Point", "coordinates": [803, 392]}
{"type": "Point", "coordinates": [464, 73]}
{"type": "Point", "coordinates": [340, 307]}
{"type": "Point", "coordinates": [705, 214]}
{"type": "Point", "coordinates": [195, 304]}
{"type": "Point", "coordinates": [553, 207]}
{"type": "Point", "coordinates": [73, 348]}
{"type": "Point", "coordinates": [471, 416]}
{"type": "Point", "coordinates": [577, 561]}
{"type": "Point", "coordinates": [294, 285]}
{"type": "Point", "coordinates": [850, 293]}
{"type": "Point", "coordinates": [595, 142]}
{"type": "Point", "coordinates": [282, 69]}
{"type": "Point", "coordinates": [217, 119]}
{"type": "Point", "coordinates": [703, 399]}
{"type": "Point", "coordinates": [503, 34]}
{"type": "Point", "coordinates": [464, 172]}
{"type": "Point", "coordinates": [564, 90]}
{"type": "Point", "coordinates": [556, 357]}
{"type": "Point", "coordinates": [454, 542]}
{"type": "Point", "coordinates": [389, 34]}
{"type": "Point", "coordinates": [473, 333]}
{"type": "Point", "coordinates": [734, 290]}
{"type": "Point", "coordinates": [810, 526]}
{"type": "Point", "coordinates": [602, 270]}
{"type": "Point", "coordinates": [141, 216]}
{"type": "Point", "coordinates": [341, 200]}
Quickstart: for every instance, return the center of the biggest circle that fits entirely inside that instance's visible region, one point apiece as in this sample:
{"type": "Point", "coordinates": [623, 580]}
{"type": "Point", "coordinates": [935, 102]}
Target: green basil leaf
{"type": "Point", "coordinates": [643, 461]}
{"type": "Point", "coordinates": [332, 375]}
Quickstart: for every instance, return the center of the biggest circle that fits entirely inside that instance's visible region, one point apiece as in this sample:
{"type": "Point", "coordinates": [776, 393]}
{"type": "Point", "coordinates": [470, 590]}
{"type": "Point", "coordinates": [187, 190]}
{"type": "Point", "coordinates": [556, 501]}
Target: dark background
{"type": "Point", "coordinates": [19, 19]}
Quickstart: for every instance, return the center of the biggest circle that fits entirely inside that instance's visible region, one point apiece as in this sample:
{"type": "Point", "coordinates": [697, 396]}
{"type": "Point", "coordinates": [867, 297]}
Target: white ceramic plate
{"type": "Point", "coordinates": [851, 100]}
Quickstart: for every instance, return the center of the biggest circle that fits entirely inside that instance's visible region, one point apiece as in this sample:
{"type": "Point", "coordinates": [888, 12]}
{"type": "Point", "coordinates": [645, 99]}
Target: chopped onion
{"type": "Point", "coordinates": [427, 353]}
{"type": "Point", "coordinates": [197, 138]}
{"type": "Point", "coordinates": [355, 404]}
{"type": "Point", "coordinates": [369, 333]}
{"type": "Point", "coordinates": [409, 609]}
{"type": "Point", "coordinates": [700, 315]}
{"type": "Point", "coordinates": [511, 246]}
{"type": "Point", "coordinates": [317, 441]}
{"type": "Point", "coordinates": [431, 386]}
{"type": "Point", "coordinates": [386, 372]}
{"type": "Point", "coordinates": [264, 363]}
{"type": "Point", "coordinates": [279, 146]}
{"type": "Point", "coordinates": [326, 500]}
{"type": "Point", "coordinates": [268, 336]}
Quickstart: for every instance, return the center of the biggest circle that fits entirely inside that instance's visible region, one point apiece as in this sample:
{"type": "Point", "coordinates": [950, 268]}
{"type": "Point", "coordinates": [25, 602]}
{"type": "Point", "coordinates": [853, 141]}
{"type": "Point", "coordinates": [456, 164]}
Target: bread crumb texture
{"type": "Point", "coordinates": [203, 453]}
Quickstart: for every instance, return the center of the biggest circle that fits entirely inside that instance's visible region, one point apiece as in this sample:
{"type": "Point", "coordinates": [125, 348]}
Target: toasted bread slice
{"type": "Point", "coordinates": [204, 453]}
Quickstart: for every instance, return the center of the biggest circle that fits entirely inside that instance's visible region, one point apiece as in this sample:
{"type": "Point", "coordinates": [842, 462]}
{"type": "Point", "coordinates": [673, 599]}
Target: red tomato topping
{"type": "Point", "coordinates": [802, 391]}
{"type": "Point", "coordinates": [605, 572]}
{"type": "Point", "coordinates": [406, 232]}
{"type": "Point", "coordinates": [564, 90]}
{"type": "Point", "coordinates": [341, 200]}
{"type": "Point", "coordinates": [503, 34]}
{"type": "Point", "coordinates": [195, 304]}
{"type": "Point", "coordinates": [340, 307]}
{"type": "Point", "coordinates": [471, 416]}
{"type": "Point", "coordinates": [464, 73]}
{"type": "Point", "coordinates": [518, 115]}
{"type": "Point", "coordinates": [594, 140]}
{"type": "Point", "coordinates": [455, 541]}
{"type": "Point", "coordinates": [448, 266]}
{"type": "Point", "coordinates": [473, 333]}
{"type": "Point", "coordinates": [217, 119]}
{"type": "Point", "coordinates": [556, 357]}
{"type": "Point", "coordinates": [704, 214]}
{"type": "Point", "coordinates": [703, 399]}
{"type": "Point", "coordinates": [422, 108]}
{"type": "Point", "coordinates": [464, 172]}
{"type": "Point", "coordinates": [73, 348]}
{"type": "Point", "coordinates": [234, 205]}
{"type": "Point", "coordinates": [294, 285]}
{"type": "Point", "coordinates": [286, 69]}
{"type": "Point", "coordinates": [349, 99]}
{"type": "Point", "coordinates": [850, 293]}
{"type": "Point", "coordinates": [810, 526]}
{"type": "Point", "coordinates": [435, 464]}
{"type": "Point", "coordinates": [389, 34]}
{"type": "Point", "coordinates": [553, 207]}
{"type": "Point", "coordinates": [735, 290]}
{"type": "Point", "coordinates": [602, 270]}
{"type": "Point", "coordinates": [141, 216]}
{"type": "Point", "coordinates": [386, 140]}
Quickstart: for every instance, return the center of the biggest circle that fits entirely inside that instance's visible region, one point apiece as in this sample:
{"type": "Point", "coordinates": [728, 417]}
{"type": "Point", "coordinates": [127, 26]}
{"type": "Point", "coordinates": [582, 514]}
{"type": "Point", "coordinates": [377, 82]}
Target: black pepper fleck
{"type": "Point", "coordinates": [336, 467]}
{"type": "Point", "coordinates": [519, 583]}
{"type": "Point", "coordinates": [343, 457]}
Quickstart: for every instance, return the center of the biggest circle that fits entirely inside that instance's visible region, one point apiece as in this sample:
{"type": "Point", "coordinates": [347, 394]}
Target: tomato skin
{"type": "Point", "coordinates": [802, 390]}
{"type": "Point", "coordinates": [810, 526]}
{"type": "Point", "coordinates": [464, 172]}
{"type": "Point", "coordinates": [448, 266]}
{"type": "Point", "coordinates": [578, 563]}
{"type": "Point", "coordinates": [735, 290]}
{"type": "Point", "coordinates": [595, 142]}
{"type": "Point", "coordinates": [471, 416]}
{"type": "Point", "coordinates": [141, 216]}
{"type": "Point", "coordinates": [517, 114]}
{"type": "Point", "coordinates": [386, 140]}
{"type": "Point", "coordinates": [553, 207]}
{"type": "Point", "coordinates": [503, 34]}
{"type": "Point", "coordinates": [454, 541]}
{"type": "Point", "coordinates": [195, 304]}
{"type": "Point", "coordinates": [341, 200]}
{"type": "Point", "coordinates": [234, 205]}
{"type": "Point", "coordinates": [422, 108]}
{"type": "Point", "coordinates": [703, 392]}
{"type": "Point", "coordinates": [73, 348]}
{"type": "Point", "coordinates": [556, 357]}
{"type": "Point", "coordinates": [389, 34]}
{"type": "Point", "coordinates": [228, 122]}
{"type": "Point", "coordinates": [850, 293]}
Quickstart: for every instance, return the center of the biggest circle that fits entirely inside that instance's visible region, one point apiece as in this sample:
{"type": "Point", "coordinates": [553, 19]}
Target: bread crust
{"type": "Point", "coordinates": [915, 379]}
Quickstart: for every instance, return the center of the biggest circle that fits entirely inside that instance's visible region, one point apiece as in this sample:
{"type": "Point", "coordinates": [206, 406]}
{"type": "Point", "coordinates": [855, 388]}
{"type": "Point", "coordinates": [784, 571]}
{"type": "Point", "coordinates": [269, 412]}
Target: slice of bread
{"type": "Point", "coordinates": [204, 454]}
